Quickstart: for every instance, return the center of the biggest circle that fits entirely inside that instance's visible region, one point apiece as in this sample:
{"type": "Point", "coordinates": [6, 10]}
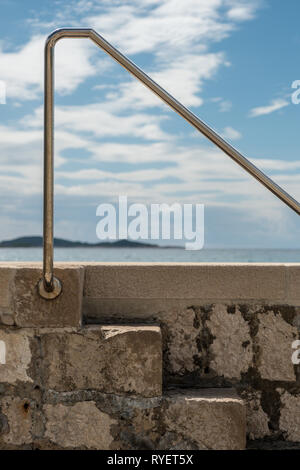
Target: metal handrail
{"type": "Point", "coordinates": [49, 286]}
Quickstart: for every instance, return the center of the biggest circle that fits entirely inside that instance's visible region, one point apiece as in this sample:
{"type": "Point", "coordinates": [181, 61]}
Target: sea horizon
{"type": "Point", "coordinates": [155, 254]}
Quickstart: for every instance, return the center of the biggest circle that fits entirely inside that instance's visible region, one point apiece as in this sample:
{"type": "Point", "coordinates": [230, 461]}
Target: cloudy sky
{"type": "Point", "coordinates": [232, 62]}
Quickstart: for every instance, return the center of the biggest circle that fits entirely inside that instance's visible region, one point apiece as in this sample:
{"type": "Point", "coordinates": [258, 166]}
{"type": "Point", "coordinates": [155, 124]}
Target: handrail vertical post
{"type": "Point", "coordinates": [49, 287]}
{"type": "Point", "coordinates": [48, 162]}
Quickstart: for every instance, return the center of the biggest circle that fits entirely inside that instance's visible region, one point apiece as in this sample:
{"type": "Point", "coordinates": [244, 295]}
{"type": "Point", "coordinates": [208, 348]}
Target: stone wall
{"type": "Point", "coordinates": [147, 356]}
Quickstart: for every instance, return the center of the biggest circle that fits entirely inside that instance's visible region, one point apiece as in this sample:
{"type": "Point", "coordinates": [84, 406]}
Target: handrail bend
{"type": "Point", "coordinates": [50, 287]}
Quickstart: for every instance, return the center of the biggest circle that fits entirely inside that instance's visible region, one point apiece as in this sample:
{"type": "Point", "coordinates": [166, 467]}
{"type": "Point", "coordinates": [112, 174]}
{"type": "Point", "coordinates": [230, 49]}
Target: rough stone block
{"type": "Point", "coordinates": [6, 281]}
{"type": "Point", "coordinates": [205, 419]}
{"type": "Point", "coordinates": [15, 356]}
{"type": "Point", "coordinates": [232, 346]}
{"type": "Point", "coordinates": [257, 419]}
{"type": "Point", "coordinates": [33, 311]}
{"type": "Point", "coordinates": [112, 359]}
{"type": "Point", "coordinates": [289, 421]}
{"type": "Point", "coordinates": [275, 337]}
{"type": "Point", "coordinates": [7, 319]}
{"type": "Point", "coordinates": [293, 284]}
{"type": "Point", "coordinates": [182, 348]}
{"type": "Point", "coordinates": [81, 425]}
{"type": "Point", "coordinates": [180, 420]}
{"type": "Point", "coordinates": [15, 422]}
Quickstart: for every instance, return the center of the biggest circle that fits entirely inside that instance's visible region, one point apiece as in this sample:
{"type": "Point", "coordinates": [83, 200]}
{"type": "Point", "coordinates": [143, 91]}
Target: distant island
{"type": "Point", "coordinates": [33, 242]}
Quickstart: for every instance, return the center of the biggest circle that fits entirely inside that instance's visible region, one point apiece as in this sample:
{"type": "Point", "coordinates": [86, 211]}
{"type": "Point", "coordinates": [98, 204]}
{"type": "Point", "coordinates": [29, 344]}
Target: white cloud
{"type": "Point", "coordinates": [186, 172]}
{"type": "Point", "coordinates": [190, 73]}
{"type": "Point", "coordinates": [100, 121]}
{"type": "Point", "coordinates": [224, 105]}
{"type": "Point", "coordinates": [22, 69]}
{"type": "Point", "coordinates": [22, 155]}
{"type": "Point", "coordinates": [277, 165]}
{"type": "Point", "coordinates": [242, 10]}
{"type": "Point", "coordinates": [183, 80]}
{"type": "Point", "coordinates": [168, 26]}
{"type": "Point", "coordinates": [240, 13]}
{"type": "Point", "coordinates": [192, 173]}
{"type": "Point", "coordinates": [231, 134]}
{"type": "Point", "coordinates": [176, 34]}
{"type": "Point", "coordinates": [92, 118]}
{"type": "Point", "coordinates": [275, 105]}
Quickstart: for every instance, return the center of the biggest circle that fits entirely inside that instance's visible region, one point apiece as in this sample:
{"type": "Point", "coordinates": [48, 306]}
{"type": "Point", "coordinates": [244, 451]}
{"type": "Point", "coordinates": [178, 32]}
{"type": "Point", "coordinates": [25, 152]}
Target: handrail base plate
{"type": "Point", "coordinates": [50, 295]}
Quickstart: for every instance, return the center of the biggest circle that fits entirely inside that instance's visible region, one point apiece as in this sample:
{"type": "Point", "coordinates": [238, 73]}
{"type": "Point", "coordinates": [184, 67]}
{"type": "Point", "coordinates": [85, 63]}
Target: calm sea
{"type": "Point", "coordinates": [155, 255]}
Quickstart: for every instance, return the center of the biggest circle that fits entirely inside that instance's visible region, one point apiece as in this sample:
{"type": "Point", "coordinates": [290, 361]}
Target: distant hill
{"type": "Point", "coordinates": [31, 242]}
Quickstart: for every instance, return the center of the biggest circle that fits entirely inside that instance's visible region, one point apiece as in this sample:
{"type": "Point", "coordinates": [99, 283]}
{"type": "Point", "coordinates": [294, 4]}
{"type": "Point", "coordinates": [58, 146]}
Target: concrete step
{"type": "Point", "coordinates": [205, 419]}
{"type": "Point", "coordinates": [103, 390]}
{"type": "Point", "coordinates": [120, 359]}
{"type": "Point", "coordinates": [110, 359]}
{"type": "Point", "coordinates": [179, 420]}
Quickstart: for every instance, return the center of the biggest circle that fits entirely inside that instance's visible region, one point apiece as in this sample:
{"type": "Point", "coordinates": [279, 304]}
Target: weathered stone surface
{"type": "Point", "coordinates": [290, 416]}
{"type": "Point", "coordinates": [293, 284]}
{"type": "Point", "coordinates": [177, 319]}
{"type": "Point", "coordinates": [232, 347]}
{"type": "Point", "coordinates": [33, 311]}
{"type": "Point", "coordinates": [185, 420]}
{"type": "Point", "coordinates": [16, 421]}
{"type": "Point", "coordinates": [275, 338]}
{"type": "Point", "coordinates": [182, 345]}
{"type": "Point", "coordinates": [206, 419]}
{"type": "Point", "coordinates": [81, 425]}
{"type": "Point", "coordinates": [7, 319]}
{"type": "Point", "coordinates": [113, 359]}
{"type": "Point", "coordinates": [186, 281]}
{"type": "Point", "coordinates": [15, 356]}
{"type": "Point", "coordinates": [257, 419]}
{"type": "Point", "coordinates": [6, 282]}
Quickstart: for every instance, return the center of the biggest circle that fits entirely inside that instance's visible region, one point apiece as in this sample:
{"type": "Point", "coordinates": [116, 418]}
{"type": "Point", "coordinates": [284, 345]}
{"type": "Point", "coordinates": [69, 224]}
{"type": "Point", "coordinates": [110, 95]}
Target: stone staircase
{"type": "Point", "coordinates": [136, 357]}
{"type": "Point", "coordinates": [122, 364]}
{"type": "Point", "coordinates": [100, 387]}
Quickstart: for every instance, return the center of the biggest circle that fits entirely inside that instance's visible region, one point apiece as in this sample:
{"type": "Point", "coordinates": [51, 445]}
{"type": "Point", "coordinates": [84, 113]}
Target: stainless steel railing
{"type": "Point", "coordinates": [49, 286]}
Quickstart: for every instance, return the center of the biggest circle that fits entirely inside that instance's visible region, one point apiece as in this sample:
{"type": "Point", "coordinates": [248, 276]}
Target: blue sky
{"type": "Point", "coordinates": [232, 62]}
